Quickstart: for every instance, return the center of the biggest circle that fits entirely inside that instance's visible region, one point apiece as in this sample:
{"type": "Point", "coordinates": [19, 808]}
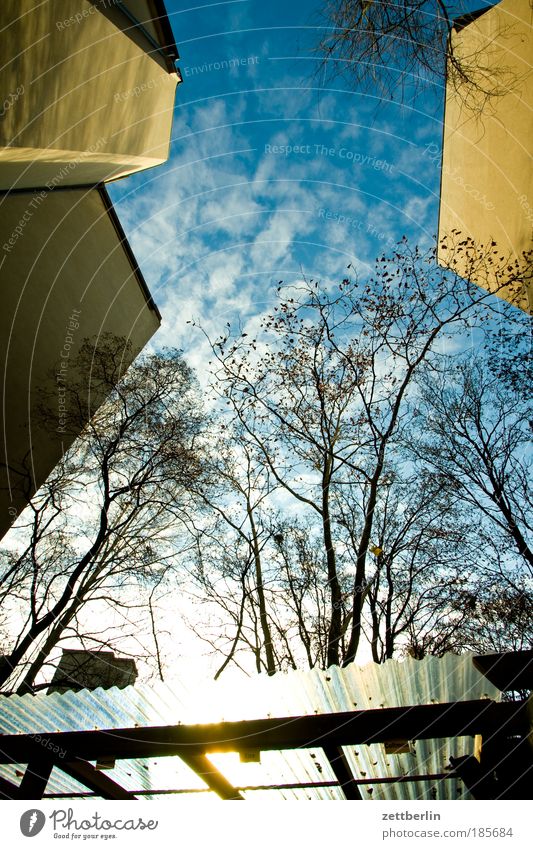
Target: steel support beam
{"type": "Point", "coordinates": [504, 771]}
{"type": "Point", "coordinates": [35, 778]}
{"type": "Point", "coordinates": [97, 781]}
{"type": "Point", "coordinates": [341, 769]}
{"type": "Point", "coordinates": [214, 779]}
{"type": "Point", "coordinates": [419, 722]}
{"type": "Point", "coordinates": [8, 790]}
{"type": "Point", "coordinates": [290, 785]}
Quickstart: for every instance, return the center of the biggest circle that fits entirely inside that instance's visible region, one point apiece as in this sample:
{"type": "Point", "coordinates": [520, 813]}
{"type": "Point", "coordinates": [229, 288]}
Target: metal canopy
{"type": "Point", "coordinates": [192, 742]}
{"type": "Point", "coordinates": [330, 734]}
{"type": "Point", "coordinates": [414, 722]}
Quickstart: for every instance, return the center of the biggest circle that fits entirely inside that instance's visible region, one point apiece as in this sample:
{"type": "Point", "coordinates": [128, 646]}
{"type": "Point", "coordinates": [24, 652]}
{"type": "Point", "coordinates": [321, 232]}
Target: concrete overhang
{"type": "Point", "coordinates": [68, 275]}
{"type": "Point", "coordinates": [89, 91]}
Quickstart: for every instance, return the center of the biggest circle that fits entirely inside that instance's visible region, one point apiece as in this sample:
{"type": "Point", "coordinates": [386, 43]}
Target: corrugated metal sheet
{"type": "Point", "coordinates": [411, 682]}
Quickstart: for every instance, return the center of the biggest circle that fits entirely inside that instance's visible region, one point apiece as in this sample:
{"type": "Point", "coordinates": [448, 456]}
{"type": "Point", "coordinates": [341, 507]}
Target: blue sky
{"type": "Point", "coordinates": [271, 175]}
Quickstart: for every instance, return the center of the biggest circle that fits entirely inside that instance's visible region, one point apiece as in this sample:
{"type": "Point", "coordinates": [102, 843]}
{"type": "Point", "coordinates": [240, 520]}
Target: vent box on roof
{"type": "Point", "coordinates": [87, 670]}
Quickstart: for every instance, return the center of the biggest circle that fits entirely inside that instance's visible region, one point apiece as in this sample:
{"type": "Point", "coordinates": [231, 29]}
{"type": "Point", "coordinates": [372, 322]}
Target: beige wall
{"type": "Point", "coordinates": [88, 98]}
{"type": "Point", "coordinates": [62, 266]}
{"type": "Point", "coordinates": [487, 175]}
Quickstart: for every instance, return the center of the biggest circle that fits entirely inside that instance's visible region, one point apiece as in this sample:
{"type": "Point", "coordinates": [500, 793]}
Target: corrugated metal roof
{"type": "Point", "coordinates": [411, 682]}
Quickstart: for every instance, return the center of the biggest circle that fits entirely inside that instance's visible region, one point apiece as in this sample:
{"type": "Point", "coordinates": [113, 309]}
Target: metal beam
{"type": "Point", "coordinates": [97, 781]}
{"type": "Point", "coordinates": [35, 778]}
{"type": "Point", "coordinates": [8, 790]}
{"type": "Point", "coordinates": [294, 785]}
{"type": "Point", "coordinates": [504, 771]}
{"type": "Point", "coordinates": [214, 779]}
{"type": "Point", "coordinates": [341, 769]}
{"type": "Point", "coordinates": [474, 777]}
{"type": "Point", "coordinates": [419, 722]}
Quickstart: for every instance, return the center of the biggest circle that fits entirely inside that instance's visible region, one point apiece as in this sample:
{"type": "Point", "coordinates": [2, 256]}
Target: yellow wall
{"type": "Point", "coordinates": [61, 258]}
{"type": "Point", "coordinates": [487, 178]}
{"type": "Point", "coordinates": [87, 98]}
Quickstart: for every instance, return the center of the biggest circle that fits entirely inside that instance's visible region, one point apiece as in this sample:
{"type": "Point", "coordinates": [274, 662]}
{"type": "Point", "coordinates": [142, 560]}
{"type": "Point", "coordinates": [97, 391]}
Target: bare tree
{"type": "Point", "coordinates": [400, 46]}
{"type": "Point", "coordinates": [103, 531]}
{"type": "Point", "coordinates": [423, 562]}
{"type": "Point", "coordinates": [501, 618]}
{"type": "Point", "coordinates": [476, 438]}
{"type": "Point", "coordinates": [290, 596]}
{"type": "Point", "coordinates": [302, 606]}
{"type": "Point", "coordinates": [325, 395]}
{"type": "Point", "coordinates": [473, 440]}
{"type": "Point", "coordinates": [229, 567]}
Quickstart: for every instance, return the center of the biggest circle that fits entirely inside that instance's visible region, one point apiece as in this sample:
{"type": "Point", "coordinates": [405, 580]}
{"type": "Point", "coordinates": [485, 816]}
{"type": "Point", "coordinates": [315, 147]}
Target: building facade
{"type": "Point", "coordinates": [487, 175]}
{"type": "Point", "coordinates": [90, 94]}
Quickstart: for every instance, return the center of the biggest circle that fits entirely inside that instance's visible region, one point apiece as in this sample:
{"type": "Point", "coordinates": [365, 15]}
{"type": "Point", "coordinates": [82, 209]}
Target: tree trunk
{"type": "Point", "coordinates": [26, 686]}
{"type": "Point", "coordinates": [38, 627]}
{"type": "Point", "coordinates": [360, 569]}
{"type": "Point", "coordinates": [263, 615]}
{"type": "Point", "coordinates": [335, 625]}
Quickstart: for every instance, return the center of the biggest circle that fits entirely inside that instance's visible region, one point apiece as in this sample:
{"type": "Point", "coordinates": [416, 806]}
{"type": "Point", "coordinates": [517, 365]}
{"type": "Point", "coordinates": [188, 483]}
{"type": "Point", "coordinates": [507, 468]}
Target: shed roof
{"type": "Point", "coordinates": [298, 720]}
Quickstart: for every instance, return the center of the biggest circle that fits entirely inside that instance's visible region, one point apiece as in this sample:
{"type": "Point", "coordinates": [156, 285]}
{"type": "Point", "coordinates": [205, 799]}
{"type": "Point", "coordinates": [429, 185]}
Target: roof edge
{"type": "Point", "coordinates": [463, 21]}
{"type": "Point", "coordinates": [110, 209]}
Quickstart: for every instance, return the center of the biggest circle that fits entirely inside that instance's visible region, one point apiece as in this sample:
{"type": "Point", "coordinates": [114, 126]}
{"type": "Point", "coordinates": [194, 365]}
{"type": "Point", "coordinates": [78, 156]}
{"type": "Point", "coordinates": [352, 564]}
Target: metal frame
{"type": "Point", "coordinates": [290, 785]}
{"type": "Point", "coordinates": [497, 722]}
